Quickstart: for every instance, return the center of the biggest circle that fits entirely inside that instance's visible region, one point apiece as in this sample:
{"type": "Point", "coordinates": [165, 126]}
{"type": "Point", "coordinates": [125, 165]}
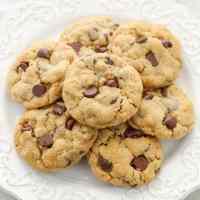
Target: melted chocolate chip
{"type": "Point", "coordinates": [100, 49]}
{"type": "Point", "coordinates": [46, 141]}
{"type": "Point", "coordinates": [76, 46]}
{"type": "Point", "coordinates": [94, 61]}
{"type": "Point", "coordinates": [109, 61]}
{"type": "Point", "coordinates": [164, 91]}
{"type": "Point", "coordinates": [148, 96]}
{"type": "Point", "coordinates": [150, 56]}
{"type": "Point", "coordinates": [139, 163]}
{"type": "Point", "coordinates": [82, 152]}
{"type": "Point", "coordinates": [115, 26]}
{"type": "Point", "coordinates": [44, 53]}
{"type": "Point", "coordinates": [39, 90]}
{"type": "Point", "coordinates": [90, 92]}
{"type": "Point", "coordinates": [26, 127]}
{"type": "Point", "coordinates": [104, 164]}
{"type": "Point", "coordinates": [113, 101]}
{"type": "Point", "coordinates": [166, 43]}
{"type": "Point", "coordinates": [112, 83]}
{"type": "Point", "coordinates": [93, 34]}
{"type": "Point", "coordinates": [141, 39]}
{"type": "Point", "coordinates": [58, 109]}
{"type": "Point", "coordinates": [69, 124]}
{"type": "Point", "coordinates": [170, 121]}
{"type": "Point", "coordinates": [106, 38]}
{"type": "Point", "coordinates": [23, 65]}
{"type": "Point", "coordinates": [132, 133]}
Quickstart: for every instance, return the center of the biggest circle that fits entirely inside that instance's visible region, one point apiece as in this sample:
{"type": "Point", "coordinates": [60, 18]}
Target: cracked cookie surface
{"type": "Point", "coordinates": [36, 78]}
{"type": "Point", "coordinates": [124, 156]}
{"type": "Point", "coordinates": [152, 49]}
{"type": "Point", "coordinates": [50, 139]}
{"type": "Point", "coordinates": [165, 113]}
{"type": "Point", "coordinates": [90, 34]}
{"type": "Point", "coordinates": [101, 90]}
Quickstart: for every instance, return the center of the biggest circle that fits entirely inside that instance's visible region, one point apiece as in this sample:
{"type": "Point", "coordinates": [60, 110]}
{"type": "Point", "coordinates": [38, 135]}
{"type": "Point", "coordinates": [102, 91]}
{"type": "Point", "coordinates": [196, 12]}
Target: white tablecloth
{"type": "Point", "coordinates": [194, 5]}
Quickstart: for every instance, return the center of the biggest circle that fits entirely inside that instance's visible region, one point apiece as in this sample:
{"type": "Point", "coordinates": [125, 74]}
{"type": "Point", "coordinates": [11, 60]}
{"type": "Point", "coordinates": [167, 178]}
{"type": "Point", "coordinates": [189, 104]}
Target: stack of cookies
{"type": "Point", "coordinates": [105, 90]}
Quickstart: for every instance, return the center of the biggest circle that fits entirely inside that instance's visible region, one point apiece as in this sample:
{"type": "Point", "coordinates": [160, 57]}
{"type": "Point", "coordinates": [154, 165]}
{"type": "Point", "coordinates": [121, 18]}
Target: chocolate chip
{"type": "Point", "coordinates": [170, 121]}
{"type": "Point", "coordinates": [94, 62]}
{"type": "Point", "coordinates": [132, 133]}
{"type": "Point", "coordinates": [139, 163]}
{"type": "Point", "coordinates": [164, 91]}
{"type": "Point", "coordinates": [90, 92]}
{"type": "Point", "coordinates": [23, 65]}
{"type": "Point", "coordinates": [58, 109]}
{"type": "Point", "coordinates": [114, 100]}
{"type": "Point", "coordinates": [106, 38]}
{"type": "Point", "coordinates": [112, 83]}
{"type": "Point", "coordinates": [76, 46]}
{"type": "Point", "coordinates": [166, 43]}
{"type": "Point", "coordinates": [46, 140]}
{"type": "Point", "coordinates": [26, 127]}
{"type": "Point", "coordinates": [104, 164]}
{"type": "Point", "coordinates": [68, 163]}
{"type": "Point", "coordinates": [148, 96]}
{"type": "Point", "coordinates": [44, 53]}
{"type": "Point", "coordinates": [141, 39]}
{"type": "Point", "coordinates": [82, 152]}
{"type": "Point", "coordinates": [115, 26]}
{"type": "Point", "coordinates": [100, 49]}
{"type": "Point", "coordinates": [93, 34]}
{"type": "Point", "coordinates": [109, 61]}
{"type": "Point", "coordinates": [39, 90]}
{"type": "Point", "coordinates": [150, 56]}
{"type": "Point", "coordinates": [69, 123]}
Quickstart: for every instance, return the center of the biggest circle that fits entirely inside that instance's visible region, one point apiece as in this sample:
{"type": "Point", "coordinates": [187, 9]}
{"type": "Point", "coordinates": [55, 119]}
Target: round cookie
{"type": "Point", "coordinates": [36, 78]}
{"type": "Point", "coordinates": [165, 113]}
{"type": "Point", "coordinates": [124, 156]}
{"type": "Point", "coordinates": [90, 34]}
{"type": "Point", "coordinates": [152, 49]}
{"type": "Point", "coordinates": [50, 139]}
{"type": "Point", "coordinates": [101, 90]}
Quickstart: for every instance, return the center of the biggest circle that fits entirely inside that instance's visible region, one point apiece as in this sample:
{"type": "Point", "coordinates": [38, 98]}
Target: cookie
{"type": "Point", "coordinates": [124, 156]}
{"type": "Point", "coordinates": [165, 113]}
{"type": "Point", "coordinates": [36, 78]}
{"type": "Point", "coordinates": [152, 49]}
{"type": "Point", "coordinates": [50, 139]}
{"type": "Point", "coordinates": [90, 34]}
{"type": "Point", "coordinates": [101, 90]}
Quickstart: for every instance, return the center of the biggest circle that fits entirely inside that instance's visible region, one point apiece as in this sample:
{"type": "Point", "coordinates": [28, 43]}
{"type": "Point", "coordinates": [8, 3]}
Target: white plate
{"type": "Point", "coordinates": [23, 21]}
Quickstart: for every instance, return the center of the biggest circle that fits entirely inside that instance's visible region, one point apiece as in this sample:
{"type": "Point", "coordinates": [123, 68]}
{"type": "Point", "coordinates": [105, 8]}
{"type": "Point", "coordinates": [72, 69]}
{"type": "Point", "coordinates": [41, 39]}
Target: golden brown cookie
{"type": "Point", "coordinates": [124, 156]}
{"type": "Point", "coordinates": [165, 113]}
{"type": "Point", "coordinates": [36, 78]}
{"type": "Point", "coordinates": [101, 90]}
{"type": "Point", "coordinates": [151, 48]}
{"type": "Point", "coordinates": [50, 139]}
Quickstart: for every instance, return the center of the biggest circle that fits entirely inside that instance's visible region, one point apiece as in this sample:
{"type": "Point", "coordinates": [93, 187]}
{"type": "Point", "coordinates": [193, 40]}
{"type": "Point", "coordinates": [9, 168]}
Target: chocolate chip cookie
{"type": "Point", "coordinates": [91, 34]}
{"type": "Point", "coordinates": [50, 139]}
{"type": "Point", "coordinates": [101, 90]}
{"type": "Point", "coordinates": [152, 49]}
{"type": "Point", "coordinates": [124, 156]}
{"type": "Point", "coordinates": [36, 78]}
{"type": "Point", "coordinates": [165, 113]}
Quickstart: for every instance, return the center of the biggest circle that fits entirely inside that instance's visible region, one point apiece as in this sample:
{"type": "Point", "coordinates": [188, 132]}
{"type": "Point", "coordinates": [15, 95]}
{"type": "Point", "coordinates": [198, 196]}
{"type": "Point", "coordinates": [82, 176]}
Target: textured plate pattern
{"type": "Point", "coordinates": [23, 21]}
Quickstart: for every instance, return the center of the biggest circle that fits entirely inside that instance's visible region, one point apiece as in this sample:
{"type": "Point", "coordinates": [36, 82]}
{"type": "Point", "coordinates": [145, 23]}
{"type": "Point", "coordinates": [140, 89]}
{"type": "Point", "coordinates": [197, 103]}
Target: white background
{"type": "Point", "coordinates": [194, 5]}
